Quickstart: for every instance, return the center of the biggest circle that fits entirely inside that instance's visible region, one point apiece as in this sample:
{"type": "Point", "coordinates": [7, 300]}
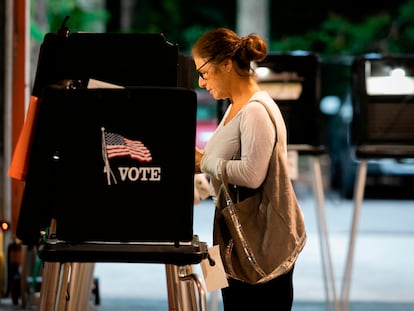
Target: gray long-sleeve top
{"type": "Point", "coordinates": [247, 141]}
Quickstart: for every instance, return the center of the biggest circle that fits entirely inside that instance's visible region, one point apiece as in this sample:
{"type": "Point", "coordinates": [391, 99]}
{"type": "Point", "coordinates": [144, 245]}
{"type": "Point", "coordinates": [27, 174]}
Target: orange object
{"type": "Point", "coordinates": [18, 60]}
{"type": "Point", "coordinates": [20, 160]}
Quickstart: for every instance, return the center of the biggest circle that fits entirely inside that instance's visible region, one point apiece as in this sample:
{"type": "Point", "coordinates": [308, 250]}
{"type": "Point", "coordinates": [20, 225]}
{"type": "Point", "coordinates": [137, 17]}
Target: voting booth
{"type": "Point", "coordinates": [100, 160]}
{"type": "Point", "coordinates": [383, 100]}
{"type": "Point", "coordinates": [382, 125]}
{"type": "Point", "coordinates": [72, 61]}
{"type": "Point", "coordinates": [293, 81]}
{"type": "Point", "coordinates": [110, 174]}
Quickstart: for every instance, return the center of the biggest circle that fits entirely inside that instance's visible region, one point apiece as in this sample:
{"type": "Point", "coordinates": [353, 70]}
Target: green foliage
{"type": "Point", "coordinates": [48, 15]}
{"type": "Point", "coordinates": [403, 31]}
{"type": "Point", "coordinates": [179, 21]}
{"type": "Point", "coordinates": [183, 23]}
{"type": "Point", "coordinates": [380, 33]}
{"type": "Point", "coordinates": [191, 34]}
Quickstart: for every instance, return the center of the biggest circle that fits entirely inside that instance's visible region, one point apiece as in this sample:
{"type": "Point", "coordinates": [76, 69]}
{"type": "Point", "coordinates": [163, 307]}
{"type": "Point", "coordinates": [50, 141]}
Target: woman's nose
{"type": "Point", "coordinates": [201, 82]}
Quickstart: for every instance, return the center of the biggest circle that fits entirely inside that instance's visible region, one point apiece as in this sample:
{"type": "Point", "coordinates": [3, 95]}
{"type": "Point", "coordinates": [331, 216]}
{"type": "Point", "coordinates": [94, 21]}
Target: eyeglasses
{"type": "Point", "coordinates": [201, 74]}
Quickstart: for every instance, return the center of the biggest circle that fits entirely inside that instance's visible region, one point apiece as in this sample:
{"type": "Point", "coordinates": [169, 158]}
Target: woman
{"type": "Point", "coordinates": [245, 142]}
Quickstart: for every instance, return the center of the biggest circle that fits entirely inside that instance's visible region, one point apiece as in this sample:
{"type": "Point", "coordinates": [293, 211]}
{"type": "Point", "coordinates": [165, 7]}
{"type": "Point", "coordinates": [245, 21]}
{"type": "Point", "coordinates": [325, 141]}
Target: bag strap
{"type": "Point", "coordinates": [270, 114]}
{"type": "Point", "coordinates": [224, 180]}
{"type": "Point", "coordinates": [224, 177]}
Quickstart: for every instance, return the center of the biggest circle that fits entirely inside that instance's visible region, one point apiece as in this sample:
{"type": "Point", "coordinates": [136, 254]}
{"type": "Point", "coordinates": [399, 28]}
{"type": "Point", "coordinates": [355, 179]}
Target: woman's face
{"type": "Point", "coordinates": [212, 77]}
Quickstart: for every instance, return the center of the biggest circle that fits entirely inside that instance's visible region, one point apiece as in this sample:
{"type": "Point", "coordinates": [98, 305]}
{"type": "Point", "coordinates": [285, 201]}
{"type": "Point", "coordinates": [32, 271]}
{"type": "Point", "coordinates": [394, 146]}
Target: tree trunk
{"type": "Point", "coordinates": [253, 17]}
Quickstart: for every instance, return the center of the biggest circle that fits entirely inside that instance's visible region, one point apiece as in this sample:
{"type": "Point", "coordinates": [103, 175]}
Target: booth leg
{"type": "Point", "coordinates": [358, 197]}
{"type": "Point", "coordinates": [76, 286]}
{"type": "Point", "coordinates": [193, 281]}
{"type": "Point", "coordinates": [62, 288]}
{"type": "Point", "coordinates": [89, 284]}
{"type": "Point", "coordinates": [66, 286]}
{"type": "Point", "coordinates": [181, 284]}
{"type": "Point", "coordinates": [327, 267]}
{"type": "Point", "coordinates": [48, 290]}
{"type": "Point", "coordinates": [73, 287]}
{"type": "Point", "coordinates": [172, 288]}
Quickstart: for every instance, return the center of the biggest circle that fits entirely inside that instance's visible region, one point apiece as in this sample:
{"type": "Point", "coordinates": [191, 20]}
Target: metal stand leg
{"type": "Point", "coordinates": [50, 280]}
{"type": "Point", "coordinates": [48, 290]}
{"type": "Point", "coordinates": [80, 286]}
{"type": "Point", "coordinates": [62, 287]}
{"type": "Point", "coordinates": [88, 273]}
{"type": "Point", "coordinates": [358, 197]}
{"type": "Point", "coordinates": [323, 236]}
{"type": "Point", "coordinates": [172, 288]}
{"type": "Point", "coordinates": [66, 286]}
{"type": "Point", "coordinates": [192, 281]}
{"type": "Point", "coordinates": [181, 284]}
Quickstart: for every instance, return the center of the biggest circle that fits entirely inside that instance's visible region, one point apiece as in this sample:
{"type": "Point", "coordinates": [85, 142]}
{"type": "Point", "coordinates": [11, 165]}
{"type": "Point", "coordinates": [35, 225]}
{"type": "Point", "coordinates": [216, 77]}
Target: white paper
{"type": "Point", "coordinates": [97, 84]}
{"type": "Point", "coordinates": [214, 276]}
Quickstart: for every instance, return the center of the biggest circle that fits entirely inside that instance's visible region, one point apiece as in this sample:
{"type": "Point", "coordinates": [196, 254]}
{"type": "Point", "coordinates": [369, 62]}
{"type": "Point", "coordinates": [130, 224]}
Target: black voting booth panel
{"type": "Point", "coordinates": [128, 60]}
{"type": "Point", "coordinates": [383, 103]}
{"type": "Point", "coordinates": [175, 254]}
{"type": "Point", "coordinates": [111, 170]}
{"type": "Point", "coordinates": [293, 81]}
{"type": "Point", "coordinates": [113, 164]}
{"type": "Point", "coordinates": [122, 59]}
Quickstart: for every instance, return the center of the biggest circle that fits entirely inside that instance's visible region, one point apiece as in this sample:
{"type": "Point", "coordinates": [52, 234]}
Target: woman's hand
{"type": "Point", "coordinates": [198, 156]}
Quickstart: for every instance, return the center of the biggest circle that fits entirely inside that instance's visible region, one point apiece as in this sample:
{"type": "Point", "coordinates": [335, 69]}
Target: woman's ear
{"type": "Point", "coordinates": [227, 65]}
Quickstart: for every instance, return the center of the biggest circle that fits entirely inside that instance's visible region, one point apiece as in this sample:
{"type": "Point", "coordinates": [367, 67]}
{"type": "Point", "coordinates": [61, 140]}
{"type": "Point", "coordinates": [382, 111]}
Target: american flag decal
{"type": "Point", "coordinates": [118, 146]}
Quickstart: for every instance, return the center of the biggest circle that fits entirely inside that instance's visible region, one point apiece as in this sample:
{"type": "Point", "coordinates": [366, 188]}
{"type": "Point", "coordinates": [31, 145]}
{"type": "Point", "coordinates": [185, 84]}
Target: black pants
{"type": "Point", "coordinates": [276, 295]}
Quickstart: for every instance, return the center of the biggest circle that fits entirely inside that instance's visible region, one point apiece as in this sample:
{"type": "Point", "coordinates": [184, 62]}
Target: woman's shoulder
{"type": "Point", "coordinates": [259, 99]}
{"type": "Point", "coordinates": [263, 97]}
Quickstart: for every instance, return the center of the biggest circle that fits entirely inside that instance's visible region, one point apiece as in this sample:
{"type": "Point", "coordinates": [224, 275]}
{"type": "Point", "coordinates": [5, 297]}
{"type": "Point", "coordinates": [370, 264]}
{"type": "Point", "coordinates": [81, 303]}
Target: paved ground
{"type": "Point", "coordinates": [383, 269]}
{"type": "Point", "coordinates": [383, 273]}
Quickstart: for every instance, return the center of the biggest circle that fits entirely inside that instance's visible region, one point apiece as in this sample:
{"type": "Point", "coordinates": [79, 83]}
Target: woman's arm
{"type": "Point", "coordinates": [257, 137]}
{"type": "Point", "coordinates": [198, 156]}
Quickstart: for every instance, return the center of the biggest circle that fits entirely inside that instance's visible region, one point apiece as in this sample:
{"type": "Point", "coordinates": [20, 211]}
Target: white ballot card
{"type": "Point", "coordinates": [214, 275]}
{"type": "Point", "coordinates": [97, 84]}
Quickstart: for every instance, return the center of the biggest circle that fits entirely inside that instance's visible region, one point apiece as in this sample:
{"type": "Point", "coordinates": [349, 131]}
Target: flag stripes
{"type": "Point", "coordinates": [118, 146]}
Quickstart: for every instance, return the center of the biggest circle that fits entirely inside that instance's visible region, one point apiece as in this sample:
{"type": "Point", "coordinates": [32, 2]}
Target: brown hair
{"type": "Point", "coordinates": [222, 43]}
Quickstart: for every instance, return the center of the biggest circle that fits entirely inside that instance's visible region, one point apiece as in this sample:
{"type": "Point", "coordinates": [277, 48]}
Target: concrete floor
{"type": "Point", "coordinates": [382, 274]}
